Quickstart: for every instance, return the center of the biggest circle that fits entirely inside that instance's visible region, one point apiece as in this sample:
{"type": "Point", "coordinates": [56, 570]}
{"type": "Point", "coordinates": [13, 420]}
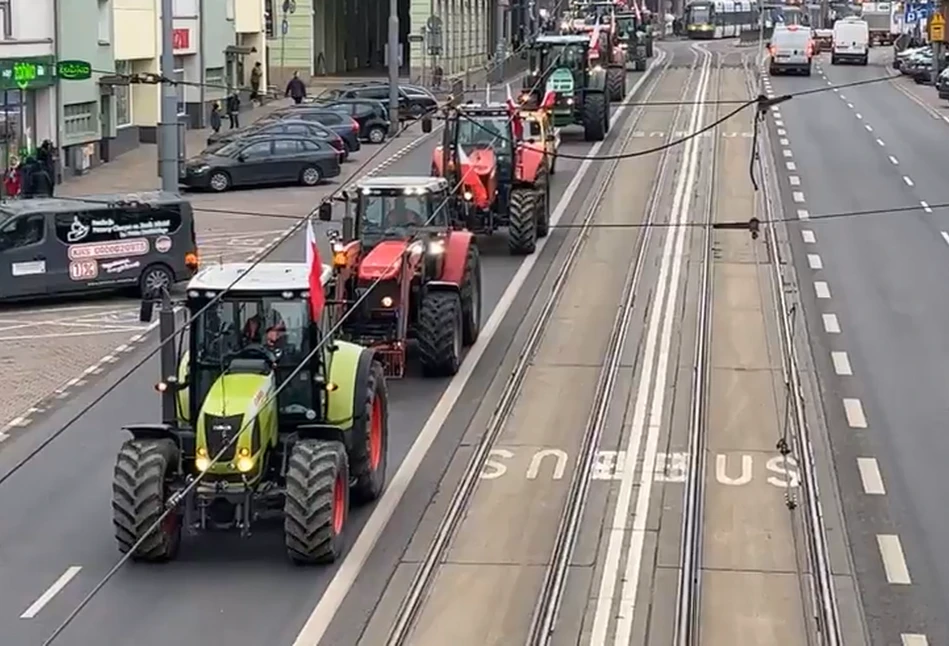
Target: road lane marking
{"type": "Point", "coordinates": [841, 363]}
{"type": "Point", "coordinates": [914, 639]}
{"type": "Point", "coordinates": [795, 180]}
{"type": "Point", "coordinates": [790, 165]}
{"type": "Point", "coordinates": [782, 132]}
{"type": "Point", "coordinates": [894, 563]}
{"type": "Point", "coordinates": [808, 236]}
{"type": "Point", "coordinates": [853, 409]}
{"type": "Point", "coordinates": [945, 236]}
{"type": "Point", "coordinates": [787, 153]}
{"type": "Point", "coordinates": [802, 214]}
{"type": "Point", "coordinates": [831, 324]}
{"type": "Point", "coordinates": [784, 142]}
{"type": "Point", "coordinates": [822, 289]}
{"type": "Point", "coordinates": [926, 207]}
{"type": "Point", "coordinates": [859, 116]}
{"type": "Point", "coordinates": [894, 160]}
{"type": "Point", "coordinates": [343, 580]}
{"type": "Point", "coordinates": [871, 477]}
{"type": "Point", "coordinates": [868, 127]}
{"type": "Point", "coordinates": [798, 197]}
{"type": "Point", "coordinates": [775, 108]}
{"type": "Point", "coordinates": [814, 261]}
{"type": "Point", "coordinates": [779, 123]}
{"type": "Point", "coordinates": [850, 105]}
{"type": "Point", "coordinates": [881, 142]}
{"type": "Point", "coordinates": [908, 181]}
{"type": "Point", "coordinates": [51, 592]}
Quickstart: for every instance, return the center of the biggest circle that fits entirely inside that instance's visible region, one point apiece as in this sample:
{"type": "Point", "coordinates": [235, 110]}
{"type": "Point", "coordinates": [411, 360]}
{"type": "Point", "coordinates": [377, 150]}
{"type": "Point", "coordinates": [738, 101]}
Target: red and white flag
{"type": "Point", "coordinates": [317, 297]}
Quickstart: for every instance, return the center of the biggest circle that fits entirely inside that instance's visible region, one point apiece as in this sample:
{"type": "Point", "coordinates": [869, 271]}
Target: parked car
{"type": "Point", "coordinates": [371, 115]}
{"type": "Point", "coordinates": [346, 127]}
{"type": "Point", "coordinates": [942, 84]}
{"type": "Point", "coordinates": [309, 129]}
{"type": "Point", "coordinates": [414, 101]}
{"type": "Point", "coordinates": [260, 160]}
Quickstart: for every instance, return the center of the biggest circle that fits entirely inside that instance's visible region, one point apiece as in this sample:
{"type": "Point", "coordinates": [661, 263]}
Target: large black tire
{"type": "Point", "coordinates": [640, 65]}
{"type": "Point", "coordinates": [316, 504]}
{"type": "Point", "coordinates": [440, 334]}
{"type": "Point", "coordinates": [543, 207]}
{"type": "Point", "coordinates": [595, 117]}
{"type": "Point", "coordinates": [471, 296]}
{"type": "Point", "coordinates": [615, 80]}
{"type": "Point", "coordinates": [139, 495]}
{"type": "Point", "coordinates": [370, 434]}
{"type": "Point", "coordinates": [650, 51]}
{"type": "Point", "coordinates": [522, 222]}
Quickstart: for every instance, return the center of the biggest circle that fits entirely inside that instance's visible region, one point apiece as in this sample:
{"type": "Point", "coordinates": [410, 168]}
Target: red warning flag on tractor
{"type": "Point", "coordinates": [317, 297]}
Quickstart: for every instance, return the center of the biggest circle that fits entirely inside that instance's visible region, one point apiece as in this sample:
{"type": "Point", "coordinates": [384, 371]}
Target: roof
{"type": "Point", "coordinates": [87, 202]}
{"type": "Point", "coordinates": [398, 182]}
{"type": "Point", "coordinates": [562, 39]}
{"type": "Point", "coordinates": [247, 277]}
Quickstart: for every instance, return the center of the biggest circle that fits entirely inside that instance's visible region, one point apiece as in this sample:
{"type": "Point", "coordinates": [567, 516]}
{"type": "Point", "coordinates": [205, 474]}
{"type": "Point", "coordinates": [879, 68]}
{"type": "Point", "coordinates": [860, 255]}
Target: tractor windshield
{"type": "Point", "coordinates": [573, 56]}
{"type": "Point", "coordinates": [626, 26]}
{"type": "Point", "coordinates": [396, 215]}
{"type": "Point", "coordinates": [485, 132]}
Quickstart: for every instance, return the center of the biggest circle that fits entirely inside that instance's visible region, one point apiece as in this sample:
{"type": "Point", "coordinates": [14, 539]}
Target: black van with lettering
{"type": "Point", "coordinates": [51, 246]}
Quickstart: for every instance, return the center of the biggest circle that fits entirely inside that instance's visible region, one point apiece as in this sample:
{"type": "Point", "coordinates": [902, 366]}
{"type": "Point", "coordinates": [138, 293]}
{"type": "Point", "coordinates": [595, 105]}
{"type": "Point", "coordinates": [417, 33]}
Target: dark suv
{"type": "Point", "coordinates": [372, 116]}
{"type": "Point", "coordinates": [287, 126]}
{"type": "Point", "coordinates": [414, 101]}
{"type": "Point", "coordinates": [343, 125]}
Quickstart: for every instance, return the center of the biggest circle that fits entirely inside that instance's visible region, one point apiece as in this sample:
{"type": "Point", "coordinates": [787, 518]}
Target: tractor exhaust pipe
{"type": "Point", "coordinates": [169, 360]}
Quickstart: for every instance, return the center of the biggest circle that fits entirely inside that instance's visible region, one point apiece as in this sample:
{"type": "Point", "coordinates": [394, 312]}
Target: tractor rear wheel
{"type": "Point", "coordinates": [615, 83]}
{"type": "Point", "coordinates": [370, 439]}
{"type": "Point", "coordinates": [139, 498]}
{"type": "Point", "coordinates": [471, 296]}
{"type": "Point", "coordinates": [543, 208]}
{"type": "Point", "coordinates": [522, 222]}
{"type": "Point", "coordinates": [440, 334]}
{"type": "Point", "coordinates": [595, 117]}
{"type": "Point", "coordinates": [316, 503]}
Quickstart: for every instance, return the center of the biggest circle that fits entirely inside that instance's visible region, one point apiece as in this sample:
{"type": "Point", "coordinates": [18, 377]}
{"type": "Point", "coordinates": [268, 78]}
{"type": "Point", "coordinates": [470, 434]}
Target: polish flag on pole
{"type": "Point", "coordinates": [516, 124]}
{"type": "Point", "coordinates": [317, 297]}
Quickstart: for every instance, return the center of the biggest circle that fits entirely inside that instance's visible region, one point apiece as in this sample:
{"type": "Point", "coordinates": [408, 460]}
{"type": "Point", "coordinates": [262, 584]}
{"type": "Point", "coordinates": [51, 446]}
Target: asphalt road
{"type": "Point", "coordinates": [873, 289]}
{"type": "Point", "coordinates": [222, 589]}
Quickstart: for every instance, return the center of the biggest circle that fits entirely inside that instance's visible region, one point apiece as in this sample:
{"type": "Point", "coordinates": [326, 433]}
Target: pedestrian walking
{"type": "Point", "coordinates": [216, 117]}
{"type": "Point", "coordinates": [256, 76]}
{"type": "Point", "coordinates": [233, 110]}
{"type": "Point", "coordinates": [11, 180]}
{"type": "Point", "coordinates": [296, 89]}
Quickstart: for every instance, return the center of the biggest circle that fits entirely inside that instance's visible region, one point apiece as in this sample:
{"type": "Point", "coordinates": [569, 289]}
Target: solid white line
{"type": "Point", "coordinates": [926, 207]}
{"type": "Point", "coordinates": [881, 142]}
{"type": "Point", "coordinates": [914, 639]}
{"type": "Point", "coordinates": [871, 477]}
{"type": "Point", "coordinates": [51, 592]}
{"type": "Point", "coordinates": [802, 214]}
{"type": "Point", "coordinates": [831, 324]}
{"type": "Point", "coordinates": [945, 236]}
{"type": "Point", "coordinates": [795, 180]}
{"type": "Point", "coordinates": [853, 409]}
{"type": "Point", "coordinates": [894, 160]}
{"type": "Point", "coordinates": [798, 196]}
{"type": "Point", "coordinates": [822, 289]}
{"type": "Point", "coordinates": [894, 563]}
{"type": "Point", "coordinates": [908, 181]}
{"type": "Point", "coordinates": [626, 611]}
{"type": "Point", "coordinates": [342, 582]}
{"type": "Point", "coordinates": [790, 165]}
{"type": "Point", "coordinates": [841, 363]}
{"type": "Point", "coordinates": [815, 261]}
{"type": "Point", "coordinates": [808, 236]}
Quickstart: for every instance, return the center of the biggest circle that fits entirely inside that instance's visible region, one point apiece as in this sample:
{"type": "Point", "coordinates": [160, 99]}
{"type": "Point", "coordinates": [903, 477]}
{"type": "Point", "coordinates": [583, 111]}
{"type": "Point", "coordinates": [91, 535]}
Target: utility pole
{"type": "Point", "coordinates": [937, 36]}
{"type": "Point", "coordinates": [393, 67]}
{"type": "Point", "coordinates": [168, 125]}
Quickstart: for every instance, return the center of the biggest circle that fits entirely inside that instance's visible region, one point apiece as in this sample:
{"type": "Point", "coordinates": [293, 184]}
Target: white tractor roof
{"type": "Point", "coordinates": [266, 276]}
{"type": "Point", "coordinates": [395, 182]}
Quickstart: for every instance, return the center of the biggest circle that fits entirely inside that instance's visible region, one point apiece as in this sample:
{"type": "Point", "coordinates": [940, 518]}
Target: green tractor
{"type": "Point", "coordinates": [561, 65]}
{"type": "Point", "coordinates": [632, 37]}
{"type": "Point", "coordinates": [298, 421]}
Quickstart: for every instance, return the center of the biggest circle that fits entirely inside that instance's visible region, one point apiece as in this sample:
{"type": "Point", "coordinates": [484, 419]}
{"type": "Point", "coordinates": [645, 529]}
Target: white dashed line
{"type": "Point", "coordinates": [822, 289]}
{"type": "Point", "coordinates": [794, 180]}
{"type": "Point", "coordinates": [798, 197]}
{"type": "Point", "coordinates": [908, 181]}
{"type": "Point", "coordinates": [18, 422]}
{"type": "Point", "coordinates": [853, 409]}
{"type": "Point", "coordinates": [871, 477]}
{"type": "Point", "coordinates": [881, 142]}
{"type": "Point", "coordinates": [868, 127]}
{"type": "Point", "coordinates": [946, 119]}
{"type": "Point", "coordinates": [841, 96]}
{"type": "Point", "coordinates": [945, 236]}
{"type": "Point", "coordinates": [802, 214]}
{"type": "Point", "coordinates": [782, 132]}
{"type": "Point", "coordinates": [808, 236]}
{"type": "Point", "coordinates": [779, 123]}
{"type": "Point", "coordinates": [850, 105]}
{"type": "Point", "coordinates": [775, 108]}
{"type": "Point", "coordinates": [894, 563]}
{"type": "Point", "coordinates": [894, 160]}
{"type": "Point", "coordinates": [784, 142]}
{"type": "Point", "coordinates": [814, 261]}
{"type": "Point", "coordinates": [831, 324]}
{"type": "Point", "coordinates": [859, 116]}
{"type": "Point", "coordinates": [790, 165]}
{"type": "Point", "coordinates": [3, 437]}
{"type": "Point", "coordinates": [841, 364]}
{"type": "Point", "coordinates": [51, 592]}
{"type": "Point", "coordinates": [926, 207]}
{"type": "Point", "coordinates": [914, 639]}
{"type": "Point", "coordinates": [837, 90]}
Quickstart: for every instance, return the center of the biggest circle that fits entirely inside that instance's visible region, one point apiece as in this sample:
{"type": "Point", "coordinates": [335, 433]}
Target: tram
{"type": "Point", "coordinates": [720, 18]}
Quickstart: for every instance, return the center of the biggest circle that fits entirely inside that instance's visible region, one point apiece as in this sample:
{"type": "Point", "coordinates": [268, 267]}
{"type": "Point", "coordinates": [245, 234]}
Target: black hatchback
{"type": "Point", "coordinates": [260, 160]}
{"type": "Point", "coordinates": [371, 115]}
{"type": "Point", "coordinates": [343, 125]}
{"type": "Point", "coordinates": [296, 127]}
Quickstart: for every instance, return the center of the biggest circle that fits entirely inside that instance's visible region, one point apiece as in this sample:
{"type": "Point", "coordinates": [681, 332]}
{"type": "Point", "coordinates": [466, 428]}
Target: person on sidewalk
{"type": "Point", "coordinates": [233, 110]}
{"type": "Point", "coordinates": [11, 181]}
{"type": "Point", "coordinates": [296, 89]}
{"type": "Point", "coordinates": [216, 117]}
{"type": "Point", "coordinates": [46, 155]}
{"type": "Point", "coordinates": [256, 75]}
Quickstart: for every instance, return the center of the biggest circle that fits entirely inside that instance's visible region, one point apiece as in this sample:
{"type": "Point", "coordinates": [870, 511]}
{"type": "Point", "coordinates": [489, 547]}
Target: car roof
{"type": "Point", "coordinates": [72, 204]}
{"type": "Point", "coordinates": [422, 182]}
{"type": "Point", "coordinates": [249, 277]}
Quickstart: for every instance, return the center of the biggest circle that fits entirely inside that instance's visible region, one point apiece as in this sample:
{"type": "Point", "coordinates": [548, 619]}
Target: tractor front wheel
{"type": "Point", "coordinates": [595, 117]}
{"type": "Point", "coordinates": [316, 503]}
{"type": "Point", "coordinates": [370, 438]}
{"type": "Point", "coordinates": [471, 296]}
{"type": "Point", "coordinates": [522, 222]}
{"type": "Point", "coordinates": [440, 333]}
{"type": "Point", "coordinates": [616, 83]}
{"type": "Point", "coordinates": [139, 498]}
{"type": "Point", "coordinates": [543, 209]}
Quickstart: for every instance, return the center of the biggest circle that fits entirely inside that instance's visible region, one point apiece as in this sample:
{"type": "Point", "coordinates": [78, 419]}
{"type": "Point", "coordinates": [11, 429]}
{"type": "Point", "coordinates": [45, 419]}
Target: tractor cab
{"type": "Point", "coordinates": [395, 208]}
{"type": "Point", "coordinates": [558, 64]}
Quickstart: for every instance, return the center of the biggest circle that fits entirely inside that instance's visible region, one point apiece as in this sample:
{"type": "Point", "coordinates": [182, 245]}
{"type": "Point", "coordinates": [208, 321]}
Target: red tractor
{"type": "Point", "coordinates": [501, 176]}
{"type": "Point", "coordinates": [598, 19]}
{"type": "Point", "coordinates": [402, 274]}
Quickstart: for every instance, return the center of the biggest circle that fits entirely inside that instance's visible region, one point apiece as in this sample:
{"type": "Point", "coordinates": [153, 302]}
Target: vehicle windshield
{"type": "Point", "coordinates": [485, 132]}
{"type": "Point", "coordinates": [572, 56]}
{"type": "Point", "coordinates": [393, 215]}
{"type": "Point", "coordinates": [626, 26]}
{"type": "Point", "coordinates": [699, 15]}
{"type": "Point", "coordinates": [593, 14]}
{"type": "Point", "coordinates": [229, 149]}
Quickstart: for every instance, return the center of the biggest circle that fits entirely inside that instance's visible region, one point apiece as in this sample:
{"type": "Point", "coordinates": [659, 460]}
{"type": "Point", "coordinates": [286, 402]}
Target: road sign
{"type": "Point", "coordinates": [937, 28]}
{"type": "Point", "coordinates": [416, 38]}
{"type": "Point", "coordinates": [433, 27]}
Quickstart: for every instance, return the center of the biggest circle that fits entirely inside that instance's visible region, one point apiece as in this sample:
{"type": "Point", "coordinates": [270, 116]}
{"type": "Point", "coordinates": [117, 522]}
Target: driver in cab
{"type": "Point", "coordinates": [273, 327]}
{"type": "Point", "coordinates": [402, 216]}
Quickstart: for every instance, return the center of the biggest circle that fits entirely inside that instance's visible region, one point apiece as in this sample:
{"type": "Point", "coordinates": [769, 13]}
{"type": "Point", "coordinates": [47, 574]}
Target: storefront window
{"type": "Point", "coordinates": [17, 125]}
{"type": "Point", "coordinates": [123, 96]}
{"type": "Point", "coordinates": [179, 77]}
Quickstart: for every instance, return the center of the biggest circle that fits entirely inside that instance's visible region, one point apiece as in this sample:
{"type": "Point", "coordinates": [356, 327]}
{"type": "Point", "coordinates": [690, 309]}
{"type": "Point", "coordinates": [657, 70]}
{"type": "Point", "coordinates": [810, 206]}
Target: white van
{"type": "Point", "coordinates": [851, 42]}
{"type": "Point", "coordinates": [791, 49]}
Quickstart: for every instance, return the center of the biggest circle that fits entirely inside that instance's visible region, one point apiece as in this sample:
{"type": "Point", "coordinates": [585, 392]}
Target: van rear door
{"type": "Point", "coordinates": [792, 46]}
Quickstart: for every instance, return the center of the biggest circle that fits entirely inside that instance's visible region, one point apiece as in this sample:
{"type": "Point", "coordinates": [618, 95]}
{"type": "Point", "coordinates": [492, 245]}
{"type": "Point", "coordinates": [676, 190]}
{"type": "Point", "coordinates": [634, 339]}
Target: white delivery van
{"type": "Point", "coordinates": [791, 49]}
{"type": "Point", "coordinates": [851, 42]}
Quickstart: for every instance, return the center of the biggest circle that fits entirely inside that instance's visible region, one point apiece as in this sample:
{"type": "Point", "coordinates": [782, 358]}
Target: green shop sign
{"type": "Point", "coordinates": [74, 70]}
{"type": "Point", "coordinates": [27, 73]}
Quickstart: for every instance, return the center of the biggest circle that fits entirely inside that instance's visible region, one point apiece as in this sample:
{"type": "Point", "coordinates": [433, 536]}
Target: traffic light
{"type": "Point", "coordinates": [268, 19]}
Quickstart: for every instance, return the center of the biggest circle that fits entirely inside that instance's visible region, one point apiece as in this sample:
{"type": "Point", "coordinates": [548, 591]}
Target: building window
{"type": "Point", "coordinates": [123, 96]}
{"type": "Point", "coordinates": [80, 119]}
{"type": "Point", "coordinates": [214, 79]}
{"type": "Point", "coordinates": [19, 124]}
{"type": "Point", "coordinates": [6, 20]}
{"type": "Point", "coordinates": [179, 77]}
{"type": "Point", "coordinates": [105, 22]}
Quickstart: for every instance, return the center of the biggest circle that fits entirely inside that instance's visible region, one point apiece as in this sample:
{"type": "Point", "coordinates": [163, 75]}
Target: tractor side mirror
{"type": "Point", "coordinates": [426, 124]}
{"type": "Point", "coordinates": [325, 212]}
{"type": "Point", "coordinates": [146, 311]}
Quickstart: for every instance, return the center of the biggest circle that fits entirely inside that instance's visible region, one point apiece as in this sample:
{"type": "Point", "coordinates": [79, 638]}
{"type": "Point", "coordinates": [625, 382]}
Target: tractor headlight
{"type": "Point", "coordinates": [570, 101]}
{"type": "Point", "coordinates": [468, 195]}
{"type": "Point", "coordinates": [387, 301]}
{"type": "Point", "coordinates": [202, 463]}
{"type": "Point", "coordinates": [245, 462]}
{"type": "Point", "coordinates": [436, 247]}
